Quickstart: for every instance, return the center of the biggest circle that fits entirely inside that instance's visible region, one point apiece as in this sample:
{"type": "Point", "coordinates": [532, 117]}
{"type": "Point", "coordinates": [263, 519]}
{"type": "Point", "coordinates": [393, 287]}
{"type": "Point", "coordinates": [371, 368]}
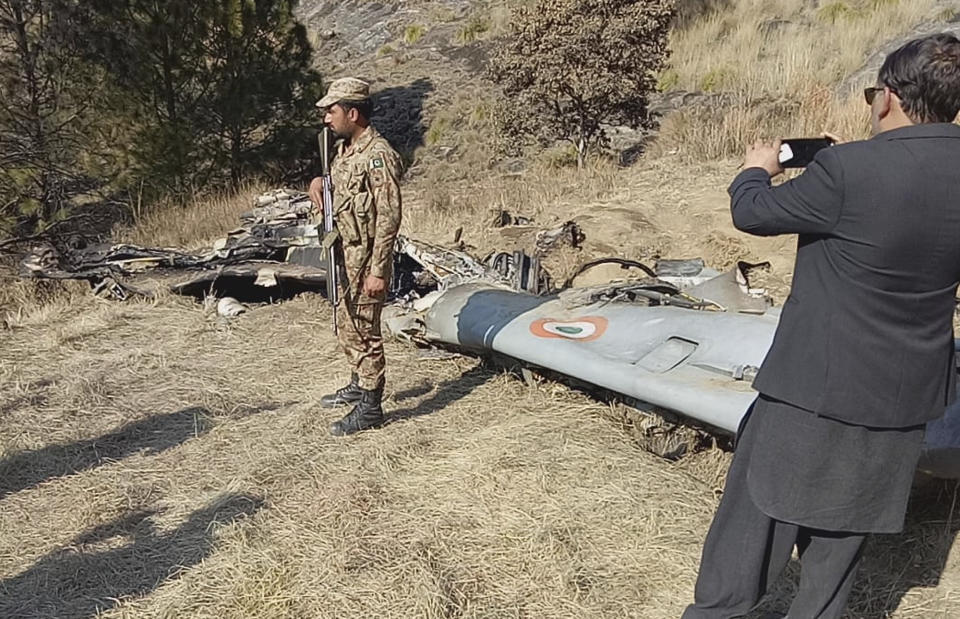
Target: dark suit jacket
{"type": "Point", "coordinates": [866, 334]}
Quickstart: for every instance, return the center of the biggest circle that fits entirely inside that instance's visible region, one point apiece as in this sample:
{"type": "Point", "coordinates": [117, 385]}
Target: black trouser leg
{"type": "Point", "coordinates": [828, 565]}
{"type": "Point", "coordinates": [744, 552]}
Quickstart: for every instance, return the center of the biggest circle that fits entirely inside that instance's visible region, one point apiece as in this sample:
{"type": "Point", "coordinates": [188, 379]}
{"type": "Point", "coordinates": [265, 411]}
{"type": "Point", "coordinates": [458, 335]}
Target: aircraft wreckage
{"type": "Point", "coordinates": [681, 337]}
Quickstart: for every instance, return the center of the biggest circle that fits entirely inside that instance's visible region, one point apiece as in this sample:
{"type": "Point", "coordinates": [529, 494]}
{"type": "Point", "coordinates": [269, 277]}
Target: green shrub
{"type": "Point", "coordinates": [437, 131]}
{"type": "Point", "coordinates": [413, 33]}
{"type": "Point", "coordinates": [560, 157]}
{"type": "Point", "coordinates": [834, 11]}
{"type": "Point", "coordinates": [668, 80]}
{"type": "Point", "coordinates": [947, 15]}
{"type": "Point", "coordinates": [715, 79]}
{"type": "Point", "coordinates": [554, 45]}
{"type": "Point", "coordinates": [474, 29]}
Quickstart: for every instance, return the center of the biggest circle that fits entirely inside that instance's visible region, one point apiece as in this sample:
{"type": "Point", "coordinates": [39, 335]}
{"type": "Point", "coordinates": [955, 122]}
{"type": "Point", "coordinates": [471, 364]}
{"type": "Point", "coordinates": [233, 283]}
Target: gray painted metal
{"type": "Point", "coordinates": [697, 363]}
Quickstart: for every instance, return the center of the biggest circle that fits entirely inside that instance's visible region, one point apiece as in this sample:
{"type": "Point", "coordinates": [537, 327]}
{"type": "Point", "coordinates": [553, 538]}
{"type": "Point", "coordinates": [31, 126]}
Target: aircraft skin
{"type": "Point", "coordinates": [696, 363]}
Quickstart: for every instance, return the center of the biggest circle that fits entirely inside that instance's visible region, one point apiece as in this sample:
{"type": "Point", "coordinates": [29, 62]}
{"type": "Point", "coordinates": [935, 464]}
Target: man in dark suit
{"type": "Point", "coordinates": [863, 355]}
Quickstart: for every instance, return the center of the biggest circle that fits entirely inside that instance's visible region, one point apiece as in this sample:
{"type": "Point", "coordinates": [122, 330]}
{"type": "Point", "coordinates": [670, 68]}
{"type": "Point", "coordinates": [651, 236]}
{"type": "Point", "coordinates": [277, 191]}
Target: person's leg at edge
{"type": "Point", "coordinates": [828, 567]}
{"type": "Point", "coordinates": [745, 550]}
{"type": "Point", "coordinates": [370, 360]}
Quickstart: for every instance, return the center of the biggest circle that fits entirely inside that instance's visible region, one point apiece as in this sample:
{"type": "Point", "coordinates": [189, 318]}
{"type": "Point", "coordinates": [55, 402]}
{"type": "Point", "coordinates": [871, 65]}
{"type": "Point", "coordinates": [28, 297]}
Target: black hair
{"type": "Point", "coordinates": [925, 74]}
{"type": "Point", "coordinates": [364, 107]}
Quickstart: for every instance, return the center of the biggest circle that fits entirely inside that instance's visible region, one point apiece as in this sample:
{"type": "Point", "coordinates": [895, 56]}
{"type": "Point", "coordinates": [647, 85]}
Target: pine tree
{"type": "Point", "coordinates": [262, 96]}
{"type": "Point", "coordinates": [219, 86]}
{"type": "Point", "coordinates": [153, 52]}
{"type": "Point", "coordinates": [42, 107]}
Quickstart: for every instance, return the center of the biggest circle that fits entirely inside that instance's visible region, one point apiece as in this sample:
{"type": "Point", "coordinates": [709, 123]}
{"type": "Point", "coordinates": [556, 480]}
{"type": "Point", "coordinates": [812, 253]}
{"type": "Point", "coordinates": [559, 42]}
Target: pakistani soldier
{"type": "Point", "coordinates": [366, 200]}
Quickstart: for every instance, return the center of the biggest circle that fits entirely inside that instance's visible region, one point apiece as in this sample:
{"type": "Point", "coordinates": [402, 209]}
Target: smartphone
{"type": "Point", "coordinates": [799, 152]}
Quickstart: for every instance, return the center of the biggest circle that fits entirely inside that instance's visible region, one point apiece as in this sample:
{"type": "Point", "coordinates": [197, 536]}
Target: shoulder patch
{"type": "Point", "coordinates": [376, 163]}
{"type": "Point", "coordinates": [377, 176]}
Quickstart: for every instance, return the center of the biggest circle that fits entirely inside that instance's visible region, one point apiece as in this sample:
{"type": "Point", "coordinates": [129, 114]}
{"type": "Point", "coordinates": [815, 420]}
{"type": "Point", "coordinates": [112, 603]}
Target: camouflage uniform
{"type": "Point", "coordinates": [366, 185]}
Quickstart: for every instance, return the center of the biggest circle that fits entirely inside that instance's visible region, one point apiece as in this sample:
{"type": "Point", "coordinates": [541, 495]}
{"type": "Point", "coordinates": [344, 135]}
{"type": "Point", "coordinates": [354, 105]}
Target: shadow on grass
{"type": "Point", "coordinates": [413, 392]}
{"type": "Point", "coordinates": [893, 565]}
{"type": "Point", "coordinates": [447, 393]}
{"type": "Point", "coordinates": [152, 435]}
{"type": "Point", "coordinates": [121, 559]}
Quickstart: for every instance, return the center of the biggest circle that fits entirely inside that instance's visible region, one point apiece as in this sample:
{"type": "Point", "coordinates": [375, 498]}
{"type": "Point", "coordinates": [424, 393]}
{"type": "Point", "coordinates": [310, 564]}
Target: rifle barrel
{"type": "Point", "coordinates": [333, 288]}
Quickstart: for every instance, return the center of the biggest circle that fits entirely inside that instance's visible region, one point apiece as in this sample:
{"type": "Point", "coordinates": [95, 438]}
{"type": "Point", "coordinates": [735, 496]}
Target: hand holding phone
{"type": "Point", "coordinates": [799, 152]}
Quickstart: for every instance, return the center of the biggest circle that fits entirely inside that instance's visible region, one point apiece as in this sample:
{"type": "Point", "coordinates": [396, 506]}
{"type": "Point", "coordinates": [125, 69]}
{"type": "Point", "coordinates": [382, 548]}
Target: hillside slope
{"type": "Point", "coordinates": [158, 461]}
{"type": "Point", "coordinates": [773, 68]}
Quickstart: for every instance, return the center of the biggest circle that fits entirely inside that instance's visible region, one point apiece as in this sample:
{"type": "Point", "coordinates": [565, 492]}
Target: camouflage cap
{"type": "Point", "coordinates": [345, 89]}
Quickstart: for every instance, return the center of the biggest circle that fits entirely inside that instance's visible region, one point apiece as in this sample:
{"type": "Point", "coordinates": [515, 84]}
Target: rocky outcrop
{"type": "Point", "coordinates": [866, 75]}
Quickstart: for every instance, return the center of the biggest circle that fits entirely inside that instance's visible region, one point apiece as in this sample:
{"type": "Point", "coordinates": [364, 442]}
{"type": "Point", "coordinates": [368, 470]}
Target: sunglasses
{"type": "Point", "coordinates": [869, 94]}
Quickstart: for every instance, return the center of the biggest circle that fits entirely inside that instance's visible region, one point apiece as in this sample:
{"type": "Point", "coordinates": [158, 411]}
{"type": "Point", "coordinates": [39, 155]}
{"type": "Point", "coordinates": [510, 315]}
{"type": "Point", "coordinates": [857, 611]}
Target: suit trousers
{"type": "Point", "coordinates": [746, 550]}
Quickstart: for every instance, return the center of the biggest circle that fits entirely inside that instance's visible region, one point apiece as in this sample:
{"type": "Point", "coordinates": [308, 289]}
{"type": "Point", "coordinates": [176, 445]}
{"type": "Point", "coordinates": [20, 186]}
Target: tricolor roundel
{"type": "Point", "coordinates": [584, 329]}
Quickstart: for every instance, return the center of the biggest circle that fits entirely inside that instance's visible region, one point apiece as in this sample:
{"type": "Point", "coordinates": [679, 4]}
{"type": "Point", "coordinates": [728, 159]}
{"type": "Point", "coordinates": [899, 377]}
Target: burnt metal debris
{"type": "Point", "coordinates": [276, 252]}
{"type": "Point", "coordinates": [680, 337]}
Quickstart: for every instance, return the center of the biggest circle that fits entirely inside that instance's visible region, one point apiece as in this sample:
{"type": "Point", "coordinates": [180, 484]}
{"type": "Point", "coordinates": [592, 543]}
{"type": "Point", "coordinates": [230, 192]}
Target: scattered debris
{"type": "Point", "coordinates": [624, 264]}
{"type": "Point", "coordinates": [732, 291]}
{"type": "Point", "coordinates": [275, 253]}
{"type": "Point", "coordinates": [680, 268]}
{"type": "Point", "coordinates": [647, 340]}
{"type": "Point", "coordinates": [430, 266]}
{"type": "Point", "coordinates": [682, 336]}
{"type": "Point", "coordinates": [437, 354]}
{"type": "Point", "coordinates": [403, 324]}
{"type": "Point", "coordinates": [644, 292]}
{"type": "Point", "coordinates": [503, 218]}
{"type": "Point", "coordinates": [520, 271]}
{"type": "Point", "coordinates": [569, 232]}
{"type": "Point", "coordinates": [229, 307]}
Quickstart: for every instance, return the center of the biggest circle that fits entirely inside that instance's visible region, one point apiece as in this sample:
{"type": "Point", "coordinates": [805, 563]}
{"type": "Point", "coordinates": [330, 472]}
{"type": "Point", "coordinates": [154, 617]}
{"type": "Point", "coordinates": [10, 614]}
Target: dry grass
{"type": "Point", "coordinates": [191, 225]}
{"type": "Point", "coordinates": [705, 132]}
{"type": "Point", "coordinates": [154, 463]}
{"type": "Point", "coordinates": [782, 61]}
{"type": "Point", "coordinates": [541, 193]}
{"type": "Point", "coordinates": [470, 506]}
{"type": "Point", "coordinates": [664, 208]}
{"type": "Point", "coordinates": [764, 48]}
{"type": "Point", "coordinates": [34, 301]}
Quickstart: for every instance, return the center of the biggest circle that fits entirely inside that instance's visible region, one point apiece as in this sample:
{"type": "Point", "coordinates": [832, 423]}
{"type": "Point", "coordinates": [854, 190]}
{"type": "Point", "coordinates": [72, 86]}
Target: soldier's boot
{"type": "Point", "coordinates": [348, 394]}
{"type": "Point", "coordinates": [367, 414]}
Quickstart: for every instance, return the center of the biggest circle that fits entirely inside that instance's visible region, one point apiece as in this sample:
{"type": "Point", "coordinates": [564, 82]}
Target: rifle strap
{"type": "Point", "coordinates": [330, 238]}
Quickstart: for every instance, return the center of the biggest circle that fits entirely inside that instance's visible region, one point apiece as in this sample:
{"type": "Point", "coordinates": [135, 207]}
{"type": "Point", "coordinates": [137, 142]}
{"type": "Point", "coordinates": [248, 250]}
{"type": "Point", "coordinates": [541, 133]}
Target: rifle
{"type": "Point", "coordinates": [330, 234]}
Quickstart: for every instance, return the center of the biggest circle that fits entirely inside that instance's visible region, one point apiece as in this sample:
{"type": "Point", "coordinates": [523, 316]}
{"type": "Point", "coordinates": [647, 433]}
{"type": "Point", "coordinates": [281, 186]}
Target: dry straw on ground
{"type": "Point", "coordinates": [192, 225]}
{"type": "Point", "coordinates": [159, 463]}
{"type": "Point", "coordinates": [155, 462]}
